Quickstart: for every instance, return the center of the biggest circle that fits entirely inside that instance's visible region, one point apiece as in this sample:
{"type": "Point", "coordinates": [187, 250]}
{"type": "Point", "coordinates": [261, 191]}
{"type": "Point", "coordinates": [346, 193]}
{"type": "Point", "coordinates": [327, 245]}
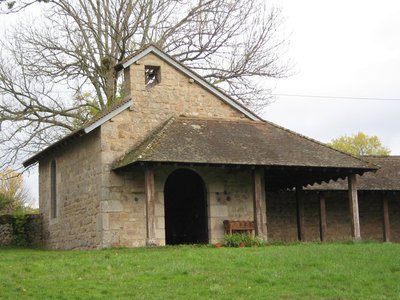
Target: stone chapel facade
{"type": "Point", "coordinates": [158, 168]}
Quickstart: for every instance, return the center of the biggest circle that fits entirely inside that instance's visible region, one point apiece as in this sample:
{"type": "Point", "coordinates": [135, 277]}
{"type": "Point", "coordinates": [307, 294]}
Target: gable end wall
{"type": "Point", "coordinates": [123, 194]}
{"type": "Point", "coordinates": [77, 225]}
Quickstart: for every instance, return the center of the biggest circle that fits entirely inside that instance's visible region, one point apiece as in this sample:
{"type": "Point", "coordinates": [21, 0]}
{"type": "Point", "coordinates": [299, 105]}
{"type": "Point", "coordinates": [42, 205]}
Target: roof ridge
{"type": "Point", "coordinates": [139, 50]}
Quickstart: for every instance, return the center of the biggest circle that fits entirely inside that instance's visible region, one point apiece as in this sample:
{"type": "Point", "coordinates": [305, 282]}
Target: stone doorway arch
{"type": "Point", "coordinates": [185, 204]}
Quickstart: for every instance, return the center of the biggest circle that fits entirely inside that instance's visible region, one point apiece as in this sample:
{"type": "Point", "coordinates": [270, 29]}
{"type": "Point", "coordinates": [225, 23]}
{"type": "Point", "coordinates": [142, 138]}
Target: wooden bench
{"type": "Point", "coordinates": [235, 226]}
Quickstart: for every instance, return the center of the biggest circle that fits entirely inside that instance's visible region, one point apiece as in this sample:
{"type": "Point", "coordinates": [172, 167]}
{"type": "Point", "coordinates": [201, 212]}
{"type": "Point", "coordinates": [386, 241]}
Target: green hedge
{"type": "Point", "coordinates": [26, 229]}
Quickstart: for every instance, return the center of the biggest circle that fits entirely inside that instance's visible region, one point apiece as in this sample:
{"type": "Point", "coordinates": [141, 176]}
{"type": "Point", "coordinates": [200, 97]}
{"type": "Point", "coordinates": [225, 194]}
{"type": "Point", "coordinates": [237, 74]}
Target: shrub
{"type": "Point", "coordinates": [20, 235]}
{"type": "Point", "coordinates": [22, 229]}
{"type": "Point", "coordinates": [235, 239]}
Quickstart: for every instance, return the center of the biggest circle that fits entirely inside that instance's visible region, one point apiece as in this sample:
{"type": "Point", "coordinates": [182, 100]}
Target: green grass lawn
{"type": "Point", "coordinates": [300, 271]}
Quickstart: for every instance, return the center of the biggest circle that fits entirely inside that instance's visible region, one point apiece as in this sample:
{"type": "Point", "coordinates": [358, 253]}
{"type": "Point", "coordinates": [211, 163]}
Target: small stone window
{"type": "Point", "coordinates": [152, 75]}
{"type": "Point", "coordinates": [53, 189]}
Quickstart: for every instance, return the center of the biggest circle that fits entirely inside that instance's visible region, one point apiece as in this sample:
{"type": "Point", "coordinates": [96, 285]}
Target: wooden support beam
{"type": "Point", "coordinates": [300, 212]}
{"type": "Point", "coordinates": [386, 220]}
{"type": "Point", "coordinates": [258, 199]}
{"type": "Point", "coordinates": [322, 216]}
{"type": "Point", "coordinates": [353, 203]}
{"type": "Point", "coordinates": [150, 206]}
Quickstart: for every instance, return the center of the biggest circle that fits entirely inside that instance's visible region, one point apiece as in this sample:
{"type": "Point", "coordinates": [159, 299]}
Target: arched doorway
{"type": "Point", "coordinates": [185, 208]}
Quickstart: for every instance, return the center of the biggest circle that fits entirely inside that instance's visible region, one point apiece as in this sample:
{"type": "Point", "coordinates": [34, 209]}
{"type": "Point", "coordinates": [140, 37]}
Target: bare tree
{"type": "Point", "coordinates": [77, 43]}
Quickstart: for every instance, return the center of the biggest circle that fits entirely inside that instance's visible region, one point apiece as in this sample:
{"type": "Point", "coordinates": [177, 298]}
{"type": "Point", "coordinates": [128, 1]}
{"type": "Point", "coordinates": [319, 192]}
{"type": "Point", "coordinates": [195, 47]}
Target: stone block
{"type": "Point", "coordinates": [159, 210]}
{"type": "Point", "coordinates": [214, 187]}
{"type": "Point", "coordinates": [136, 185]}
{"type": "Point", "coordinates": [160, 223]}
{"type": "Point", "coordinates": [160, 197]}
{"type": "Point", "coordinates": [219, 211]}
{"type": "Point", "coordinates": [160, 234]}
{"type": "Point", "coordinates": [114, 180]}
{"type": "Point", "coordinates": [161, 242]}
{"type": "Point", "coordinates": [111, 206]}
{"type": "Point", "coordinates": [6, 234]}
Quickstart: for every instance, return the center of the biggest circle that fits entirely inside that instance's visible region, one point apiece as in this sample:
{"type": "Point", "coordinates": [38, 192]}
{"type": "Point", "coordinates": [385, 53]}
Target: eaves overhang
{"type": "Point", "coordinates": [85, 129]}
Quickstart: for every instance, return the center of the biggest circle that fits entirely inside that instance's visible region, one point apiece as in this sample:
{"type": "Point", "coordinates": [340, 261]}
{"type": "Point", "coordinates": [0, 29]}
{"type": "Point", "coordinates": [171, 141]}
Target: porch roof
{"type": "Point", "coordinates": [233, 142]}
{"type": "Point", "coordinates": [387, 178]}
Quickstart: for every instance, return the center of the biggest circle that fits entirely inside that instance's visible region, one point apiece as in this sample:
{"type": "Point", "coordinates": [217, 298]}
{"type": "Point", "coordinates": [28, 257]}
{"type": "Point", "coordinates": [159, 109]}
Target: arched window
{"type": "Point", "coordinates": [53, 189]}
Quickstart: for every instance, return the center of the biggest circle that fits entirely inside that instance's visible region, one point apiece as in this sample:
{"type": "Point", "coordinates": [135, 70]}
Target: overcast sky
{"type": "Point", "coordinates": [345, 49]}
{"type": "Point", "coordinates": [339, 48]}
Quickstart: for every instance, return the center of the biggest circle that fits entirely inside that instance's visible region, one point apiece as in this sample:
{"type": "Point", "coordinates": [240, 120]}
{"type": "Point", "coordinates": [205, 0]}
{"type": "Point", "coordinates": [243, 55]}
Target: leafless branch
{"type": "Point", "coordinates": [77, 43]}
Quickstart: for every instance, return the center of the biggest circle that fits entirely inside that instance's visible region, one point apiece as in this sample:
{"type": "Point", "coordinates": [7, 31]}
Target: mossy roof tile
{"type": "Point", "coordinates": [219, 141]}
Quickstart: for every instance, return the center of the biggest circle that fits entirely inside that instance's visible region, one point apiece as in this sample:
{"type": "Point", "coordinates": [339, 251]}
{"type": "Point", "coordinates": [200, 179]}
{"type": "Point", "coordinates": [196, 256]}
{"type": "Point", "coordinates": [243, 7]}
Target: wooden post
{"type": "Point", "coordinates": [322, 216]}
{"type": "Point", "coordinates": [300, 212]}
{"type": "Point", "coordinates": [150, 206]}
{"type": "Point", "coordinates": [386, 220]}
{"type": "Point", "coordinates": [353, 201]}
{"type": "Point", "coordinates": [257, 203]}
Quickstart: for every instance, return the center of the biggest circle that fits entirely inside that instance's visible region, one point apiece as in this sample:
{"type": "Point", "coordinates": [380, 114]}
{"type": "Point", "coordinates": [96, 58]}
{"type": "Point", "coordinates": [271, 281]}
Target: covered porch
{"type": "Point", "coordinates": [236, 168]}
{"type": "Point", "coordinates": [190, 203]}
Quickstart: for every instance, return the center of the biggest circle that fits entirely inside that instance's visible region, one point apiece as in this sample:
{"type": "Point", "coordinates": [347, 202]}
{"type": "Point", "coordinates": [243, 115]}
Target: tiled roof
{"type": "Point", "coordinates": [219, 141]}
{"type": "Point", "coordinates": [386, 178]}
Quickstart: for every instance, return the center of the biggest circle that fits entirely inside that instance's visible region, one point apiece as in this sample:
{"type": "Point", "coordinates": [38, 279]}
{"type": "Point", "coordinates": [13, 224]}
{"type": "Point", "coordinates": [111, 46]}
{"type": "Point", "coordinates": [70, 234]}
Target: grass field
{"type": "Point", "coordinates": [300, 271]}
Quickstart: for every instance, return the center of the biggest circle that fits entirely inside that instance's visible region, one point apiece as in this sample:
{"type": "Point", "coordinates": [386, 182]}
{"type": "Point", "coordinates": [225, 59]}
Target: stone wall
{"type": "Point", "coordinates": [371, 216]}
{"type": "Point", "coordinates": [282, 222]}
{"type": "Point", "coordinates": [311, 218]}
{"type": "Point", "coordinates": [175, 95]}
{"type": "Point", "coordinates": [394, 215]}
{"type": "Point", "coordinates": [281, 216]}
{"type": "Point", "coordinates": [229, 196]}
{"type": "Point", "coordinates": [124, 213]}
{"type": "Point", "coordinates": [77, 225]}
{"type": "Point", "coordinates": [31, 235]}
{"type": "Point", "coordinates": [98, 207]}
{"type": "Point", "coordinates": [6, 233]}
{"type": "Point", "coordinates": [338, 220]}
